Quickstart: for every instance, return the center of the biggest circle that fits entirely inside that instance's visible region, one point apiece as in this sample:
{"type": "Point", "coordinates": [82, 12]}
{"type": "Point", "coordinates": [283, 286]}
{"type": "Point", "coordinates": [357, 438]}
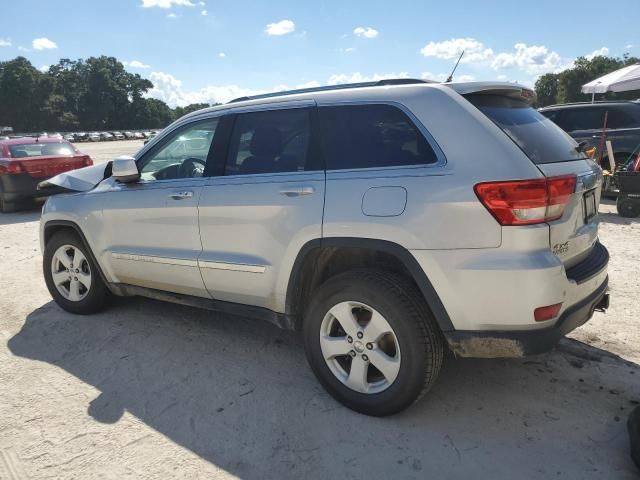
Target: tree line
{"type": "Point", "coordinates": [564, 87]}
{"type": "Point", "coordinates": [92, 94]}
{"type": "Point", "coordinates": [99, 94]}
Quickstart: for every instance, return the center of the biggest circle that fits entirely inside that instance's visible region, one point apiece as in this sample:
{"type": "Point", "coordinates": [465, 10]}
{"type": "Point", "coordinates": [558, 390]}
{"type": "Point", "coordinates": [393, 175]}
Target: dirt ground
{"type": "Point", "coordinates": [152, 390]}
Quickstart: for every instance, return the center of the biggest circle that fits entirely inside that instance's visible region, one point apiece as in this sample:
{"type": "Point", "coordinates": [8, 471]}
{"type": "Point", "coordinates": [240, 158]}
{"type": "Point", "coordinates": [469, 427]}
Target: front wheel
{"type": "Point", "coordinates": [372, 342]}
{"type": "Point", "coordinates": [72, 276]}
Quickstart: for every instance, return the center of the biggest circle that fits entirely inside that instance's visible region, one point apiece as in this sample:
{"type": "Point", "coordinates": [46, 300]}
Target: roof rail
{"type": "Point", "coordinates": [591, 103]}
{"type": "Point", "coordinates": [344, 86]}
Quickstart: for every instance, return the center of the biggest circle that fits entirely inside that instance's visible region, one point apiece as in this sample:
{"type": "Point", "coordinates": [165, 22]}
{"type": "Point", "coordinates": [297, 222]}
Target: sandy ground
{"type": "Point", "coordinates": [153, 390]}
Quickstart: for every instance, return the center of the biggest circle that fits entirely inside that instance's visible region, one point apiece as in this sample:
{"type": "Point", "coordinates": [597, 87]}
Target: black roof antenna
{"type": "Point", "coordinates": [450, 77]}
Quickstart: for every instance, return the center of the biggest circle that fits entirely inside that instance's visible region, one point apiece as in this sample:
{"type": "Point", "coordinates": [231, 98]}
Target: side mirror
{"type": "Point", "coordinates": [125, 170]}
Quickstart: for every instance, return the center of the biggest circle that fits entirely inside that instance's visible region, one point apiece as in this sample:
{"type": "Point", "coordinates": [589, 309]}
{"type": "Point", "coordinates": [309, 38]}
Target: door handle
{"type": "Point", "coordinates": [297, 191]}
{"type": "Point", "coordinates": [180, 195]}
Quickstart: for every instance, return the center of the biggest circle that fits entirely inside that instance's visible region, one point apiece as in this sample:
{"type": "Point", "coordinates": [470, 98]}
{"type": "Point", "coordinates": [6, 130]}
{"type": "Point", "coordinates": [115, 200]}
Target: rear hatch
{"type": "Point", "coordinates": [572, 235]}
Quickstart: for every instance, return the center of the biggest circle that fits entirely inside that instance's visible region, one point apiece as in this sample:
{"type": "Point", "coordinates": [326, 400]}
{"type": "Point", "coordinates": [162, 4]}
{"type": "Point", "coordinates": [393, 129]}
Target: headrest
{"type": "Point", "coordinates": [266, 142]}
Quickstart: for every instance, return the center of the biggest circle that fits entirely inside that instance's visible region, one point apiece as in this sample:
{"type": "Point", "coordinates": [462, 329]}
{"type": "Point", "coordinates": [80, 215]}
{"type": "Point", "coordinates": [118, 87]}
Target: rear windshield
{"type": "Point", "coordinates": [41, 149]}
{"type": "Point", "coordinates": [538, 137]}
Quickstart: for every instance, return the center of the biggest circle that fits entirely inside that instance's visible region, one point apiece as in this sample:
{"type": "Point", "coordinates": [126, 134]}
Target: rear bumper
{"type": "Point", "coordinates": [499, 343]}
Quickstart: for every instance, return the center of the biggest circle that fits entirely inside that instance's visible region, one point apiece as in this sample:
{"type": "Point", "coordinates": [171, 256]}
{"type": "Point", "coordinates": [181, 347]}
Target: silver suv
{"type": "Point", "coordinates": [385, 221]}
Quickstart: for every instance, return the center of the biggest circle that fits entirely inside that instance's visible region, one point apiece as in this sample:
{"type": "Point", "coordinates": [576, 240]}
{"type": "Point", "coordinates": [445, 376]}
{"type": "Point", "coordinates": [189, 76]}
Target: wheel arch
{"type": "Point", "coordinates": [54, 226]}
{"type": "Point", "coordinates": [316, 262]}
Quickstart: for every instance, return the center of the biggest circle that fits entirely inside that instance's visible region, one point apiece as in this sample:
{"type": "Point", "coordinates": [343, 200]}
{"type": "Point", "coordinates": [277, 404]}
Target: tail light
{"type": "Point", "coordinates": [11, 167]}
{"type": "Point", "coordinates": [87, 161]}
{"type": "Point", "coordinates": [542, 314]}
{"type": "Point", "coordinates": [527, 202]}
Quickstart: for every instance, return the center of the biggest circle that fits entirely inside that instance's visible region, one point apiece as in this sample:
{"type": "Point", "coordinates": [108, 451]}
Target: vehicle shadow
{"type": "Point", "coordinates": [239, 394]}
{"type": "Point", "coordinates": [28, 214]}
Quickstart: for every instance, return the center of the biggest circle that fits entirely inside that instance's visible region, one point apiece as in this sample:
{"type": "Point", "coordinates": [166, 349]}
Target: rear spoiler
{"type": "Point", "coordinates": [505, 89]}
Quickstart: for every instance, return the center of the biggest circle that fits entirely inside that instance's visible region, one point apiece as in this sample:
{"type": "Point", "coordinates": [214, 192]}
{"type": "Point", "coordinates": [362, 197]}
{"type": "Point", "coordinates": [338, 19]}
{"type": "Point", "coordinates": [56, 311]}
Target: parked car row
{"type": "Point", "coordinates": [110, 136]}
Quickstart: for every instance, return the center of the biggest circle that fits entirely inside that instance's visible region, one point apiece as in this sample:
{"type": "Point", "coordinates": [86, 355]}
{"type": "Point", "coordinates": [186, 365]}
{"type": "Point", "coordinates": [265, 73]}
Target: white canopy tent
{"type": "Point", "coordinates": [623, 80]}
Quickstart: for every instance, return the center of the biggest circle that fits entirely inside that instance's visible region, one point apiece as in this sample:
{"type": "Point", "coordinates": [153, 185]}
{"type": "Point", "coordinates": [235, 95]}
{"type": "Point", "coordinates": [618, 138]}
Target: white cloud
{"type": "Point", "coordinates": [166, 3]}
{"type": "Point", "coordinates": [169, 89]}
{"type": "Point", "coordinates": [366, 32]}
{"type": "Point", "coordinates": [24, 49]}
{"type": "Point", "coordinates": [463, 78]}
{"type": "Point", "coordinates": [44, 68]}
{"type": "Point", "coordinates": [202, 4]}
{"type": "Point", "coordinates": [43, 43]}
{"type": "Point", "coordinates": [311, 84]}
{"type": "Point", "coordinates": [503, 78]}
{"type": "Point", "coordinates": [5, 43]}
{"type": "Point", "coordinates": [357, 77]}
{"type": "Point", "coordinates": [604, 51]}
{"type": "Point", "coordinates": [532, 59]}
{"type": "Point", "coordinates": [280, 28]}
{"type": "Point", "coordinates": [628, 46]}
{"type": "Point", "coordinates": [204, 13]}
{"type": "Point", "coordinates": [222, 55]}
{"type": "Point", "coordinates": [347, 50]}
{"type": "Point", "coordinates": [451, 49]}
{"type": "Point", "coordinates": [172, 15]}
{"type": "Point", "coordinates": [440, 77]}
{"type": "Point", "coordinates": [136, 64]}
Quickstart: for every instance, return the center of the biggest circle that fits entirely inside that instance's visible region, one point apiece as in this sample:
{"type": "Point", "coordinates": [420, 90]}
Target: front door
{"type": "Point", "coordinates": [152, 225]}
{"type": "Point", "coordinates": [267, 204]}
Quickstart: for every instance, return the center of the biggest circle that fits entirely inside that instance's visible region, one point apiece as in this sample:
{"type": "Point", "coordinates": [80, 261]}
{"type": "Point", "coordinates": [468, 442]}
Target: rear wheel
{"type": "Point", "coordinates": [6, 207]}
{"type": "Point", "coordinates": [71, 276]}
{"type": "Point", "coordinates": [628, 207]}
{"type": "Point", "coordinates": [372, 342]}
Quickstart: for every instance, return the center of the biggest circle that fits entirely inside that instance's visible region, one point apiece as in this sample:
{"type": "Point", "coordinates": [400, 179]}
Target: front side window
{"type": "Point", "coordinates": [372, 136]}
{"type": "Point", "coordinates": [269, 142]}
{"type": "Point", "coordinates": [184, 155]}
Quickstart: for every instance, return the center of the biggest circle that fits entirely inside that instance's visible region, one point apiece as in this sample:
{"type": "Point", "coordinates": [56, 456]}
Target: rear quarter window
{"type": "Point", "coordinates": [372, 136]}
{"type": "Point", "coordinates": [537, 136]}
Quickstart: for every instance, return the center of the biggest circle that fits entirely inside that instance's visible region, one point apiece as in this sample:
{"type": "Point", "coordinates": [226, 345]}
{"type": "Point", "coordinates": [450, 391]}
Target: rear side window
{"type": "Point", "coordinates": [269, 142]}
{"type": "Point", "coordinates": [537, 136]}
{"type": "Point", "coordinates": [371, 136]}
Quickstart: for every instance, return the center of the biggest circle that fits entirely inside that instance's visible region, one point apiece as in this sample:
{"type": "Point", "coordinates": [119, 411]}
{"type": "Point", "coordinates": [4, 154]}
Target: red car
{"type": "Point", "coordinates": [26, 161]}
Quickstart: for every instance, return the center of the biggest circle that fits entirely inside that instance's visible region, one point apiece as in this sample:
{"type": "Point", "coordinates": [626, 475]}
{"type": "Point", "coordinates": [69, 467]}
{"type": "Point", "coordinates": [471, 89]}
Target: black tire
{"type": "Point", "coordinates": [405, 310]}
{"type": "Point", "coordinates": [96, 295]}
{"type": "Point", "coordinates": [628, 207]}
{"type": "Point", "coordinates": [6, 207]}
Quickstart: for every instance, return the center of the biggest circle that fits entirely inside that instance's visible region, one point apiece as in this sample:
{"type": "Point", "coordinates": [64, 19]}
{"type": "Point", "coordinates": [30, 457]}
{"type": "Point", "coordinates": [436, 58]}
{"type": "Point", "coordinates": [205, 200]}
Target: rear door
{"type": "Point", "coordinates": [267, 203]}
{"type": "Point", "coordinates": [573, 235]}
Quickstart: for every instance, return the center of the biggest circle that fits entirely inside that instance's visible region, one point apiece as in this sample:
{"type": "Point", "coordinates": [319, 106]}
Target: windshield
{"type": "Point", "coordinates": [538, 137]}
{"type": "Point", "coordinates": [41, 149]}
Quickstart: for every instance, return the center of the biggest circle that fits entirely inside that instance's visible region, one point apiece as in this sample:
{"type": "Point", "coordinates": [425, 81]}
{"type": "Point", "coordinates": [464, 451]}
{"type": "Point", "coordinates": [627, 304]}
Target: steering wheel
{"type": "Point", "coordinates": [192, 167]}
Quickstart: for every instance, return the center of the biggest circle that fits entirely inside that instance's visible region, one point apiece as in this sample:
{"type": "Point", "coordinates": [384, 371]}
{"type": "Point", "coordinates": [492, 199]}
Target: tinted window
{"type": "Point", "coordinates": [623, 117]}
{"type": "Point", "coordinates": [184, 155]}
{"type": "Point", "coordinates": [267, 142]}
{"type": "Point", "coordinates": [538, 137]}
{"type": "Point", "coordinates": [583, 118]}
{"type": "Point", "coordinates": [370, 136]}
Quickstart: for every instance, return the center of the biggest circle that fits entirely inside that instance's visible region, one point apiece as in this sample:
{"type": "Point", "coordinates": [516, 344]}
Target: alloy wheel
{"type": "Point", "coordinates": [71, 273]}
{"type": "Point", "coordinates": [360, 347]}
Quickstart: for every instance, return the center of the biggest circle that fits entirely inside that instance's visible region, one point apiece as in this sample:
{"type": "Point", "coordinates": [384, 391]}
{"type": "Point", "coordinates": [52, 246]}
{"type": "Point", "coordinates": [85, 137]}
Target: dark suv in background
{"type": "Point", "coordinates": [584, 122]}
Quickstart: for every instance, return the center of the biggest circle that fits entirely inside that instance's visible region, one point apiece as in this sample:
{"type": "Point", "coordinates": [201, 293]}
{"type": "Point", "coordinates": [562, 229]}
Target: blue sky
{"type": "Point", "coordinates": [214, 50]}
